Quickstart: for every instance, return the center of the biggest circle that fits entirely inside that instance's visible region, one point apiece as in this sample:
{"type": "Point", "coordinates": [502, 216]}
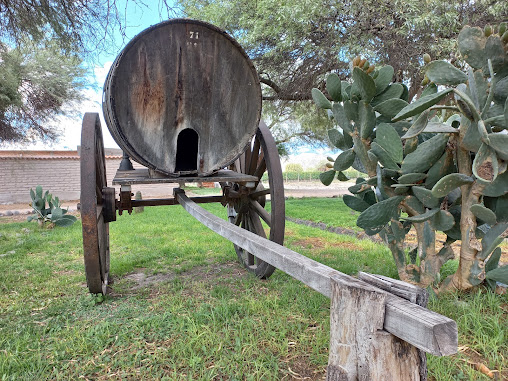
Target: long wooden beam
{"type": "Point", "coordinates": [426, 330]}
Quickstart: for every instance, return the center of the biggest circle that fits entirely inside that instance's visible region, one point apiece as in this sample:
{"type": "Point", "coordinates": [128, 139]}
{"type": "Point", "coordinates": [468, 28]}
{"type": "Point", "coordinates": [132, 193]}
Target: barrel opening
{"type": "Point", "coordinates": [187, 151]}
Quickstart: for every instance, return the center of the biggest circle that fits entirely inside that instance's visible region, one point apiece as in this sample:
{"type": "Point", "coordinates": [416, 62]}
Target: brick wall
{"type": "Point", "coordinates": [59, 175]}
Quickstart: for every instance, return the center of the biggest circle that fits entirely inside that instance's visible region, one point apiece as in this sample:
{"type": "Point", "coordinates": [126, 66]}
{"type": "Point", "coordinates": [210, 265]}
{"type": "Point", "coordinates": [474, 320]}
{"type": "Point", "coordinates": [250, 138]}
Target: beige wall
{"type": "Point", "coordinates": [60, 176]}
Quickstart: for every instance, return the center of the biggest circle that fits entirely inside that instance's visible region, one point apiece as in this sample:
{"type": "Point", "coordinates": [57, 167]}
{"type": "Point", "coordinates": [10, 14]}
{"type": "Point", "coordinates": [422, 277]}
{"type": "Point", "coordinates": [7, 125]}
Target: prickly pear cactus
{"type": "Point", "coordinates": [438, 163]}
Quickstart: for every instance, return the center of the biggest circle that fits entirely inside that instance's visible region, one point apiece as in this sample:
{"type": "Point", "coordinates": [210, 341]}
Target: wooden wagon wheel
{"type": "Point", "coordinates": [94, 206]}
{"type": "Point", "coordinates": [248, 210]}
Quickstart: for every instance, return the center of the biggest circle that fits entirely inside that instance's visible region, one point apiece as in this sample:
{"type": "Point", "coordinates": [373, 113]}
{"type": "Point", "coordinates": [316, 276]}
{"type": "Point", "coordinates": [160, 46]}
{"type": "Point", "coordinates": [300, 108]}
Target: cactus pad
{"type": "Point", "coordinates": [444, 73]}
{"type": "Point", "coordinates": [388, 138]}
{"type": "Point", "coordinates": [440, 128]}
{"type": "Point", "coordinates": [485, 164]}
{"type": "Point", "coordinates": [420, 105]}
{"type": "Point", "coordinates": [425, 155]}
{"type": "Point", "coordinates": [415, 204]}
{"type": "Point", "coordinates": [363, 84]}
{"type": "Point", "coordinates": [502, 209]}
{"type": "Point", "coordinates": [366, 119]}
{"type": "Point", "coordinates": [327, 177]}
{"type": "Point", "coordinates": [340, 117]}
{"type": "Point", "coordinates": [342, 177]}
{"type": "Point", "coordinates": [498, 274]}
{"type": "Point", "coordinates": [471, 43]}
{"type": "Point", "coordinates": [444, 166]}
{"type": "Point", "coordinates": [391, 107]}
{"type": "Point", "coordinates": [493, 238]}
{"type": "Point", "coordinates": [494, 51]}
{"type": "Point", "coordinates": [418, 126]}
{"type": "Point", "coordinates": [449, 183]}
{"type": "Point", "coordinates": [499, 142]}
{"type": "Point", "coordinates": [384, 78]}
{"type": "Point", "coordinates": [425, 196]}
{"type": "Point", "coordinates": [379, 214]}
{"type": "Point", "coordinates": [429, 90]}
{"type": "Point", "coordinates": [423, 217]}
{"type": "Point", "coordinates": [351, 110]}
{"type": "Point", "coordinates": [395, 90]}
{"type": "Point", "coordinates": [383, 156]}
{"type": "Point", "coordinates": [498, 187]}
{"type": "Point", "coordinates": [471, 140]}
{"type": "Point", "coordinates": [355, 203]}
{"type": "Point", "coordinates": [337, 139]}
{"type": "Point", "coordinates": [443, 220]}
{"type": "Point", "coordinates": [320, 100]}
{"type": "Point", "coordinates": [493, 261]}
{"type": "Point", "coordinates": [411, 178]}
{"type": "Point", "coordinates": [333, 87]}
{"type": "Point", "coordinates": [410, 145]}
{"type": "Point", "coordinates": [359, 188]}
{"type": "Point", "coordinates": [484, 214]}
{"type": "Point", "coordinates": [344, 160]}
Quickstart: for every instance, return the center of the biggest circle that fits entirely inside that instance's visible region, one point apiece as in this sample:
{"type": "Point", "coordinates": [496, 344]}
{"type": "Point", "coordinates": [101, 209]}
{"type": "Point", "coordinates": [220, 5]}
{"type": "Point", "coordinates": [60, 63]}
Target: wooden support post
{"type": "Point", "coordinates": [407, 291]}
{"type": "Point", "coordinates": [359, 347]}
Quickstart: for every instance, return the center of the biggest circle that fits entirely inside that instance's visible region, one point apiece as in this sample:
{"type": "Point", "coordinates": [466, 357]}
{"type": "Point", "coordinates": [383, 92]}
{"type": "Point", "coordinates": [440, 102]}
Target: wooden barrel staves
{"type": "Point", "coordinates": [182, 98]}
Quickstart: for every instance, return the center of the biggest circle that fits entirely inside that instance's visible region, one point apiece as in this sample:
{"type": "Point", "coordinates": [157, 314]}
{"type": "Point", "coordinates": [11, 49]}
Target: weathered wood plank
{"type": "Point", "coordinates": [142, 176]}
{"type": "Point", "coordinates": [359, 347]}
{"type": "Point", "coordinates": [397, 287]}
{"type": "Point", "coordinates": [407, 291]}
{"type": "Point", "coordinates": [416, 325]}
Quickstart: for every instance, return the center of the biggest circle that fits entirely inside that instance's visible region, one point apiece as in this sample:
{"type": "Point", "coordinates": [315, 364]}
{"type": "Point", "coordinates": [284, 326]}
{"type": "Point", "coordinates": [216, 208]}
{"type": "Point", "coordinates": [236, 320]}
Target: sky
{"type": "Point", "coordinates": [137, 19]}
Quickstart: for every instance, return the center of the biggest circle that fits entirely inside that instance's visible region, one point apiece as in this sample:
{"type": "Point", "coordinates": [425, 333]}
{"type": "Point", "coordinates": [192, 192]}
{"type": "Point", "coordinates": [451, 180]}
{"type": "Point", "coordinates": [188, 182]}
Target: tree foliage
{"type": "Point", "coordinates": [294, 125]}
{"type": "Point", "coordinates": [78, 27]}
{"type": "Point", "coordinates": [45, 46]}
{"type": "Point", "coordinates": [37, 83]}
{"type": "Point", "coordinates": [294, 43]}
{"type": "Point", "coordinates": [293, 167]}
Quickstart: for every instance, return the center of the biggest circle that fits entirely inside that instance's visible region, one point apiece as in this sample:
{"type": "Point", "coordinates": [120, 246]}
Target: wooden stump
{"type": "Point", "coordinates": [359, 347]}
{"type": "Point", "coordinates": [139, 209]}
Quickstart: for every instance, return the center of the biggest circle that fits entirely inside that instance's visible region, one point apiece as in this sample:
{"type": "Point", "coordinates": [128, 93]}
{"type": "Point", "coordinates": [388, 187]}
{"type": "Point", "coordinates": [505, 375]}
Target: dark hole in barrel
{"type": "Point", "coordinates": [187, 151]}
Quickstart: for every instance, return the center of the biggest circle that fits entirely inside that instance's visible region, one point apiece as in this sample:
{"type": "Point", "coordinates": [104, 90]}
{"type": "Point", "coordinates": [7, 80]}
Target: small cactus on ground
{"type": "Point", "coordinates": [48, 209]}
{"type": "Point", "coordinates": [439, 163]}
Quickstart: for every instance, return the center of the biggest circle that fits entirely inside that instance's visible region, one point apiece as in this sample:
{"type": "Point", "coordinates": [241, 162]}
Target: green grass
{"type": "Point", "coordinates": [203, 191]}
{"type": "Point", "coordinates": [204, 317]}
{"type": "Point", "coordinates": [330, 211]}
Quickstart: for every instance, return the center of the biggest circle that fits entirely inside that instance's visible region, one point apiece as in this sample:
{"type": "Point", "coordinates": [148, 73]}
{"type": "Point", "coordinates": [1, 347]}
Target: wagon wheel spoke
{"type": "Point", "coordinates": [247, 257]}
{"type": "Point", "coordinates": [257, 227]}
{"type": "Point", "coordinates": [95, 228]}
{"type": "Point", "coordinates": [253, 162]}
{"type": "Point", "coordinates": [260, 193]}
{"type": "Point", "coordinates": [261, 212]}
{"type": "Point", "coordinates": [261, 156]}
{"type": "Point", "coordinates": [246, 160]}
{"type": "Point", "coordinates": [261, 168]}
{"type": "Point", "coordinates": [238, 219]}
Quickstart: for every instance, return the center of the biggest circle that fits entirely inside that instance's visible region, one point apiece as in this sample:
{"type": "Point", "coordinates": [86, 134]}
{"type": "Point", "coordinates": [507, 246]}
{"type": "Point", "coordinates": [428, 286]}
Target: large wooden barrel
{"type": "Point", "coordinates": [182, 98]}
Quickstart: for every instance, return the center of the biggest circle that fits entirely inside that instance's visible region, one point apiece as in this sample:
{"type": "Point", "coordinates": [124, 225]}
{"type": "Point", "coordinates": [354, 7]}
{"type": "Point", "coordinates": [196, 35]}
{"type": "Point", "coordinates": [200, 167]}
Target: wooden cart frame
{"type": "Point", "coordinates": [243, 194]}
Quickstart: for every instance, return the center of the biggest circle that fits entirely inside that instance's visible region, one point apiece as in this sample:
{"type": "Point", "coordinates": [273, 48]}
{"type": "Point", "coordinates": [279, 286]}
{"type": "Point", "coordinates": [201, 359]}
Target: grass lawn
{"type": "Point", "coordinates": [181, 308]}
{"type": "Point", "coordinates": [330, 211]}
